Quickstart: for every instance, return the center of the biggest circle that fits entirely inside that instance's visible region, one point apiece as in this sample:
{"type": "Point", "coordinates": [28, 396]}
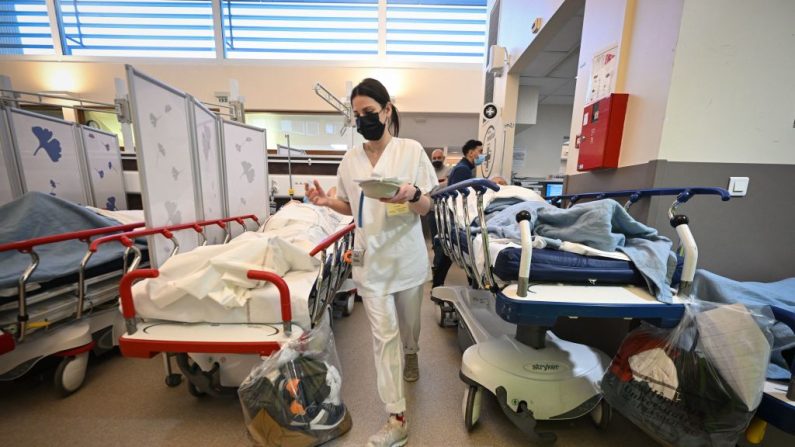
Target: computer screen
{"type": "Point", "coordinates": [553, 189]}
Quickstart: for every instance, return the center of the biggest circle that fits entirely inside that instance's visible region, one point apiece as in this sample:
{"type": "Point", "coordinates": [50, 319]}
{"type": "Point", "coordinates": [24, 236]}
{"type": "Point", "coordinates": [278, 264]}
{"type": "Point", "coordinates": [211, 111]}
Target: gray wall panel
{"type": "Point", "coordinates": [637, 176]}
{"type": "Point", "coordinates": [749, 238]}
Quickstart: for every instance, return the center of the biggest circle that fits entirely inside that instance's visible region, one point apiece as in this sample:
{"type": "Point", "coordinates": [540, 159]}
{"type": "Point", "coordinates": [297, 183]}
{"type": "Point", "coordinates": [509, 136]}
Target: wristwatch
{"type": "Point", "coordinates": [417, 195]}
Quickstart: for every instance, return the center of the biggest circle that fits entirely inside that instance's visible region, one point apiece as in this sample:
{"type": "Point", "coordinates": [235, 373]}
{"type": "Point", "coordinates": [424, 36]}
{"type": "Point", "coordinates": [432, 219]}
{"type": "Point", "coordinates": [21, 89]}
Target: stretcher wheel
{"type": "Point", "coordinates": [194, 390]}
{"type": "Point", "coordinates": [173, 380]}
{"type": "Point", "coordinates": [602, 414]}
{"type": "Point", "coordinates": [440, 315]}
{"type": "Point", "coordinates": [350, 302]}
{"type": "Point", "coordinates": [70, 374]}
{"type": "Point", "coordinates": [471, 405]}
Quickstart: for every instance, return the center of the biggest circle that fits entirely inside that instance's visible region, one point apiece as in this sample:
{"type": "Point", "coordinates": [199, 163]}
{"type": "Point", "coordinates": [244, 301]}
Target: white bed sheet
{"type": "Point", "coordinates": [293, 231]}
{"type": "Point", "coordinates": [264, 305]}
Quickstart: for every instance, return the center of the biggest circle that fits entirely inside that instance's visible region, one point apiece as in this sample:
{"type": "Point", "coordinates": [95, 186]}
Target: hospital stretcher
{"type": "Point", "coordinates": [61, 318]}
{"type": "Point", "coordinates": [216, 357]}
{"type": "Point", "coordinates": [504, 331]}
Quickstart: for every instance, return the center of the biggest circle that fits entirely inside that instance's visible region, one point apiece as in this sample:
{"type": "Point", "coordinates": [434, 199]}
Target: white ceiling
{"type": "Point", "coordinates": [554, 70]}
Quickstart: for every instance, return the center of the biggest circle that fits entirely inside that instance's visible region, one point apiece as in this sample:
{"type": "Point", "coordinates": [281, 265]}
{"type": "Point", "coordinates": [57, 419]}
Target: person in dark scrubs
{"type": "Point", "coordinates": [463, 170]}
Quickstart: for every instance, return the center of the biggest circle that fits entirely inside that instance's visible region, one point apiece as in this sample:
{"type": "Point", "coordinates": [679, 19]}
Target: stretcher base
{"type": "Point", "coordinates": [154, 337]}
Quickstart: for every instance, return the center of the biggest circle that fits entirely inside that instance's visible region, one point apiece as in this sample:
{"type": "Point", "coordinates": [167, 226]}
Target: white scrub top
{"type": "Point", "coordinates": [395, 256]}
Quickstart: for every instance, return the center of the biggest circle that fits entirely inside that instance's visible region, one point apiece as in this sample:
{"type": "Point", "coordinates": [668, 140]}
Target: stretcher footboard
{"type": "Point", "coordinates": [146, 339]}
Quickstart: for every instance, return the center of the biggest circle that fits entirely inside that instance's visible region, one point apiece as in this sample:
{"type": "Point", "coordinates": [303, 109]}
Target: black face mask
{"type": "Point", "coordinates": [370, 127]}
{"type": "Point", "coordinates": [437, 164]}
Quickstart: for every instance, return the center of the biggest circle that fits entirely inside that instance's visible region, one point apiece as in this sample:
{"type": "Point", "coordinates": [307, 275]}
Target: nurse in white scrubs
{"type": "Point", "coordinates": [390, 257]}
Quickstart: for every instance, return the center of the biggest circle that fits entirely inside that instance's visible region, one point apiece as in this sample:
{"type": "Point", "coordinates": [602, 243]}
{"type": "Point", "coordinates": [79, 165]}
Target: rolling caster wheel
{"type": "Point", "coordinates": [440, 315]}
{"type": "Point", "coordinates": [194, 391]}
{"type": "Point", "coordinates": [70, 374]}
{"type": "Point", "coordinates": [173, 380]}
{"type": "Point", "coordinates": [471, 405]}
{"type": "Point", "coordinates": [601, 414]}
{"type": "Point", "coordinates": [350, 302]}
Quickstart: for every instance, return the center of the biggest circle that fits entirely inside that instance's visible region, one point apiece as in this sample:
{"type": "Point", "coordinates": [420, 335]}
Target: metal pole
{"type": "Point", "coordinates": [290, 190]}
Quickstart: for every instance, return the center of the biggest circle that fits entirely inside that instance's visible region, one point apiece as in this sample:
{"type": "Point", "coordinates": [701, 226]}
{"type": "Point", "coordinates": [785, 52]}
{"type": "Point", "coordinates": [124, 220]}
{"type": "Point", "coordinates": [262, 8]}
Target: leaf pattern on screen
{"type": "Point", "coordinates": [160, 151]}
{"type": "Point", "coordinates": [53, 187]}
{"type": "Point", "coordinates": [174, 214]}
{"type": "Point", "coordinates": [91, 135]}
{"type": "Point", "coordinates": [153, 119]}
{"type": "Point", "coordinates": [205, 137]}
{"type": "Point", "coordinates": [248, 171]}
{"type": "Point", "coordinates": [175, 173]}
{"type": "Point", "coordinates": [239, 146]}
{"type": "Point", "coordinates": [50, 145]}
{"type": "Point", "coordinates": [100, 172]}
{"type": "Point", "coordinates": [110, 205]}
{"type": "Point", "coordinates": [107, 146]}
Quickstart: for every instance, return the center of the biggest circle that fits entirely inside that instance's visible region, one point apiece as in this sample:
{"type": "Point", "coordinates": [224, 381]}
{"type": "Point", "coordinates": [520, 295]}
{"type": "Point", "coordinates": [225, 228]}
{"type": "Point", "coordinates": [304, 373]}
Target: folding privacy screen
{"type": "Point", "coordinates": [48, 155]}
{"type": "Point", "coordinates": [9, 172]}
{"type": "Point", "coordinates": [210, 179]}
{"type": "Point", "coordinates": [192, 165]}
{"type": "Point", "coordinates": [245, 161]}
{"type": "Point", "coordinates": [60, 158]}
{"type": "Point", "coordinates": [165, 165]}
{"type": "Point", "coordinates": [103, 161]}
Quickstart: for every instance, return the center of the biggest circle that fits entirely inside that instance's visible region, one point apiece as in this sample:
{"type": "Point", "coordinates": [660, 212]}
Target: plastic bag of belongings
{"type": "Point", "coordinates": [294, 397]}
{"type": "Point", "coordinates": [699, 383]}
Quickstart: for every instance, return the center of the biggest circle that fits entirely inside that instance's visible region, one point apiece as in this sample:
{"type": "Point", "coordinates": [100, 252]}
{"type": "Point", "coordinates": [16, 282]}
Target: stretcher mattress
{"type": "Point", "coordinates": [550, 265]}
{"type": "Point", "coordinates": [561, 266]}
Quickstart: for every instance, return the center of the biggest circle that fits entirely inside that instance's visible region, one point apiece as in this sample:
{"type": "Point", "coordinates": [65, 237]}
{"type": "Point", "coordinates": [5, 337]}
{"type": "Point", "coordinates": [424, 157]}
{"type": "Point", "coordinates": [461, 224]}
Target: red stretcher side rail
{"type": "Point", "coordinates": [167, 231]}
{"type": "Point", "coordinates": [83, 235]}
{"type": "Point", "coordinates": [327, 242]}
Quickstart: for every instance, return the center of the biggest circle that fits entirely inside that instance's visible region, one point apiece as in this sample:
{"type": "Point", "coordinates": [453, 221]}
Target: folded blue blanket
{"type": "Point", "coordinates": [35, 215]}
{"type": "Point", "coordinates": [601, 224]}
{"type": "Point", "coordinates": [708, 286]}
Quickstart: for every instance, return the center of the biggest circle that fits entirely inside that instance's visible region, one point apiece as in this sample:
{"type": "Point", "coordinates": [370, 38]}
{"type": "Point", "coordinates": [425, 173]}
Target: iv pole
{"type": "Point", "coordinates": [290, 190]}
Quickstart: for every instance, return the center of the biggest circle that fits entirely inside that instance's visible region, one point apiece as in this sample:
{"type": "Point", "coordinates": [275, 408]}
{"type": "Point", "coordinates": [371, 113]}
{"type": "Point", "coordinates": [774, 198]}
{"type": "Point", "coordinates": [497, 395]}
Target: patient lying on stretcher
{"type": "Point", "coordinates": [598, 229]}
{"type": "Point", "coordinates": [209, 284]}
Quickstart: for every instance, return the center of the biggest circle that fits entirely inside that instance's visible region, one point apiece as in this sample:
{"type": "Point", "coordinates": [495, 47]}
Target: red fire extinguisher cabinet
{"type": "Point", "coordinates": [602, 129]}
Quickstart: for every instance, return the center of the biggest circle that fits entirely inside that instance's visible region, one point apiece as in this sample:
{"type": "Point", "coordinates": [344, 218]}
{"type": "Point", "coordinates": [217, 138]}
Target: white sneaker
{"type": "Point", "coordinates": [393, 434]}
{"type": "Point", "coordinates": [411, 368]}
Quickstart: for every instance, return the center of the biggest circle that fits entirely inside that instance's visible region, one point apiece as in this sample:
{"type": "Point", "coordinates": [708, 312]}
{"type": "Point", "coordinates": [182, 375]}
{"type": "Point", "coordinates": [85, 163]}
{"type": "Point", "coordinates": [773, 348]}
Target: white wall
{"type": "Point", "coordinates": [515, 34]}
{"type": "Point", "coordinates": [516, 20]}
{"type": "Point", "coordinates": [439, 130]}
{"type": "Point", "coordinates": [733, 89]}
{"type": "Point", "coordinates": [646, 33]}
{"type": "Point", "coordinates": [542, 142]}
{"type": "Point", "coordinates": [446, 89]}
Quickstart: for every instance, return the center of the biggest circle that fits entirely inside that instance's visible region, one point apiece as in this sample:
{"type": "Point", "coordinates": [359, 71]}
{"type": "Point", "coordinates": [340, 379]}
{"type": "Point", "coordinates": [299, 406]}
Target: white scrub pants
{"type": "Point", "coordinates": [395, 324]}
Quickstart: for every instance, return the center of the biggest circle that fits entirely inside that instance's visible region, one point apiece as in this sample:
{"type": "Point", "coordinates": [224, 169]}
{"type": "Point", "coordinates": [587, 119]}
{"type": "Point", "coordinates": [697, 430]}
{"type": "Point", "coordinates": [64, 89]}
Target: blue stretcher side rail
{"type": "Point", "coordinates": [480, 185]}
{"type": "Point", "coordinates": [633, 195]}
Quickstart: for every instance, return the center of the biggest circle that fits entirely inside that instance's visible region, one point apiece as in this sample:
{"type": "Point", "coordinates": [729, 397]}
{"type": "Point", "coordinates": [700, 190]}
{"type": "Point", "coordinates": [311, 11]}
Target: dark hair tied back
{"type": "Point", "coordinates": [373, 89]}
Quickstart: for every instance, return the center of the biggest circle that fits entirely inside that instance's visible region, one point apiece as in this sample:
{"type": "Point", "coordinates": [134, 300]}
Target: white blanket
{"type": "Point", "coordinates": [210, 283]}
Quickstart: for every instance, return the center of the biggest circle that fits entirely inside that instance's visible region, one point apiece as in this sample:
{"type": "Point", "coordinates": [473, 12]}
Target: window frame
{"type": "Point", "coordinates": [380, 60]}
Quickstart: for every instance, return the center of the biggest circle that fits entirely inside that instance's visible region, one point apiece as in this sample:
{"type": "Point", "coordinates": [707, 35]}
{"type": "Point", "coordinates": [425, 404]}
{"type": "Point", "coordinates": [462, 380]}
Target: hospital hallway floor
{"type": "Point", "coordinates": [124, 402]}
